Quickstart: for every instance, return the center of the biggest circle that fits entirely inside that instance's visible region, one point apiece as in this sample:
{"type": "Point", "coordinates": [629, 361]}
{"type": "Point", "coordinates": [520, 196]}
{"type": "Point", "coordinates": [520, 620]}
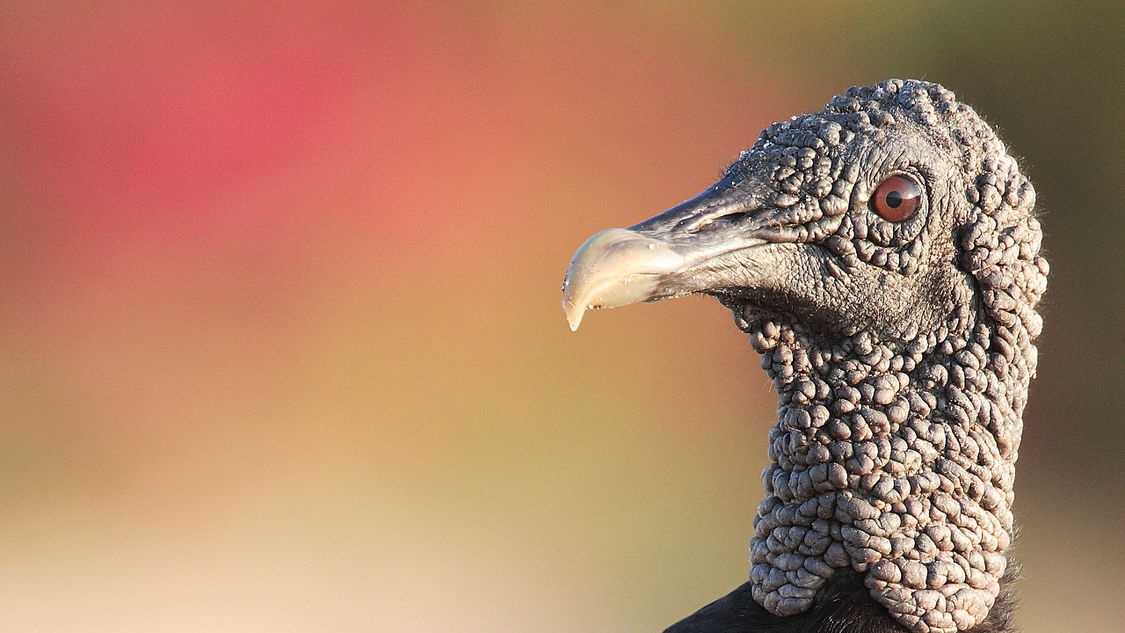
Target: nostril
{"type": "Point", "coordinates": [717, 222]}
{"type": "Point", "coordinates": [734, 218]}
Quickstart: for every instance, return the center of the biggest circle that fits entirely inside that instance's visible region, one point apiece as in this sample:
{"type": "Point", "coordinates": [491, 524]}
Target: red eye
{"type": "Point", "coordinates": [897, 198]}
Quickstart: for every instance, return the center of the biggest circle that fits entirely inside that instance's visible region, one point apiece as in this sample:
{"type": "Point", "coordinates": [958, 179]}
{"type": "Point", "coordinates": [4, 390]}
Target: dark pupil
{"type": "Point", "coordinates": [894, 199]}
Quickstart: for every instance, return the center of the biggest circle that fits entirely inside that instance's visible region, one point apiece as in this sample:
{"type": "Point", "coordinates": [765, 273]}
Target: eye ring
{"type": "Point", "coordinates": [897, 198]}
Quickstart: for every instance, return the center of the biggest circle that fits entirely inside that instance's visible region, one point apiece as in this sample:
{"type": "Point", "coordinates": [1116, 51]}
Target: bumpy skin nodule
{"type": "Point", "coordinates": [896, 440]}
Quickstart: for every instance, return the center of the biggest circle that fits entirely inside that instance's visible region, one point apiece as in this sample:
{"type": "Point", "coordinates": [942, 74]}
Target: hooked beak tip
{"type": "Point", "coordinates": [574, 315]}
{"type": "Point", "coordinates": [573, 311]}
{"type": "Point", "coordinates": [613, 268]}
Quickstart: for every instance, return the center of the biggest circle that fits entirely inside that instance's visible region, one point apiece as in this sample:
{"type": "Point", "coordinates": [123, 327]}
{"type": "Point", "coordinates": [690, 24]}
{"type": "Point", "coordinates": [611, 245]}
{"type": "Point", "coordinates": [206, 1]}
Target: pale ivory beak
{"type": "Point", "coordinates": [613, 268]}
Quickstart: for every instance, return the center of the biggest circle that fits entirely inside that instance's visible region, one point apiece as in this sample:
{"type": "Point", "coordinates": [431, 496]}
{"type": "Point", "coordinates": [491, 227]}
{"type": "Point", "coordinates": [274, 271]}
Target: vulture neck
{"type": "Point", "coordinates": [892, 460]}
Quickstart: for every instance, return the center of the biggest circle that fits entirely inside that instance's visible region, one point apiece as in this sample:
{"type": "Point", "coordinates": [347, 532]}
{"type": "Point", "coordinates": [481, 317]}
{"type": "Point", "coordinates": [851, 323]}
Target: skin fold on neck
{"type": "Point", "coordinates": [893, 460]}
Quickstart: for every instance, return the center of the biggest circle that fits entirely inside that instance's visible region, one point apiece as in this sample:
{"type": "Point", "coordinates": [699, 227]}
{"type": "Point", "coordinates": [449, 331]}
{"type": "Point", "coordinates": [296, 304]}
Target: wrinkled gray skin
{"type": "Point", "coordinates": [901, 353]}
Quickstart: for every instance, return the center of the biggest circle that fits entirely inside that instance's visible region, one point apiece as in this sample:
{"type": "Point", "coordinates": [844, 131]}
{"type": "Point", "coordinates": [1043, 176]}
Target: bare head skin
{"type": "Point", "coordinates": [883, 256]}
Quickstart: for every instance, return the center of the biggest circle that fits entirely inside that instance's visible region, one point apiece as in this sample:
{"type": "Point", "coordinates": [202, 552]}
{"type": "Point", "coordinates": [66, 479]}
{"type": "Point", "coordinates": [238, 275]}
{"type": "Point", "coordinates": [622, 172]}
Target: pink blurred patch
{"type": "Point", "coordinates": [133, 117]}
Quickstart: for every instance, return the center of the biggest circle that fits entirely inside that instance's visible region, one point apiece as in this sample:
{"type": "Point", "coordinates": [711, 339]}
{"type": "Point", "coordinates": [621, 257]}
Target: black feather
{"type": "Point", "coordinates": [844, 606]}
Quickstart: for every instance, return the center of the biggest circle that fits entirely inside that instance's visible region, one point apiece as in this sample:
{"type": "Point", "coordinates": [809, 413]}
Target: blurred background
{"type": "Point", "coordinates": [282, 346]}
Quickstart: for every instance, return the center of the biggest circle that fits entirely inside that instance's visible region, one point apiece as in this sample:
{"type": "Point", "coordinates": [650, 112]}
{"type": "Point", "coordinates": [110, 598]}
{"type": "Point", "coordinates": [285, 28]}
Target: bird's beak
{"type": "Point", "coordinates": [697, 246]}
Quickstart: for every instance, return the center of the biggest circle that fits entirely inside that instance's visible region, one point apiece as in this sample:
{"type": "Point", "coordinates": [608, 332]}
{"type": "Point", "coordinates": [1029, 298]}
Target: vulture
{"type": "Point", "coordinates": [883, 257]}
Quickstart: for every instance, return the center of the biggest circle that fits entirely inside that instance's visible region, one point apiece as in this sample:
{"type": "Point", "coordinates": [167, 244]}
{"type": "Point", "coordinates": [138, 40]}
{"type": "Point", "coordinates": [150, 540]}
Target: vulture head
{"type": "Point", "coordinates": [883, 256]}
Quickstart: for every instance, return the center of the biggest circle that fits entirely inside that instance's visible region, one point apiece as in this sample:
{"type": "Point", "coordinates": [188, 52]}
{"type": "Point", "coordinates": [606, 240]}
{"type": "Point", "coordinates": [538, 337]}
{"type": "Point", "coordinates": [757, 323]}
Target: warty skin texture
{"type": "Point", "coordinates": [901, 352]}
